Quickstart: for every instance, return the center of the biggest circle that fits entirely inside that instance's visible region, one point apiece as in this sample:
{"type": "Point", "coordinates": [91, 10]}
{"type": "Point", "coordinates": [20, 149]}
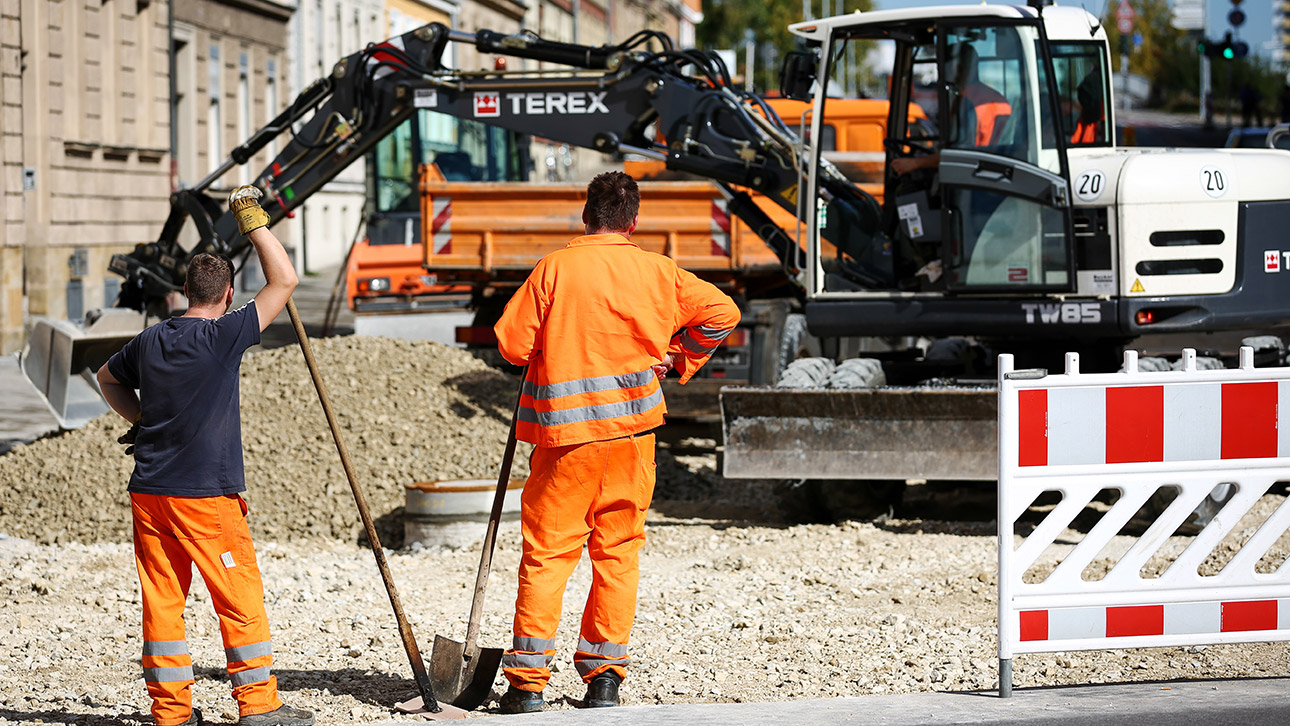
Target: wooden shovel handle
{"type": "Point", "coordinates": [405, 630]}
{"type": "Point", "coordinates": [490, 535]}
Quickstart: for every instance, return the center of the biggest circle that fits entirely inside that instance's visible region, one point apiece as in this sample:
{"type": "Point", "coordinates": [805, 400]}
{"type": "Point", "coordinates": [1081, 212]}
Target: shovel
{"type": "Point", "coordinates": [463, 673]}
{"type": "Point", "coordinates": [426, 702]}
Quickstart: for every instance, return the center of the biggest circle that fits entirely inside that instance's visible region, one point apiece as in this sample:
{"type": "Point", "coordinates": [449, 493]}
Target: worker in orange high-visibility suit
{"type": "Point", "coordinates": [598, 323]}
{"type": "Point", "coordinates": [979, 112]}
{"type": "Point", "coordinates": [185, 489]}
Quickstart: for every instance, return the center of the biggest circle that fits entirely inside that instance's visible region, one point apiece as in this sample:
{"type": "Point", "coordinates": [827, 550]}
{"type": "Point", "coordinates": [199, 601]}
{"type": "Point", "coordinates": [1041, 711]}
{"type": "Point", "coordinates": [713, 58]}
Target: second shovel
{"type": "Point", "coordinates": [463, 673]}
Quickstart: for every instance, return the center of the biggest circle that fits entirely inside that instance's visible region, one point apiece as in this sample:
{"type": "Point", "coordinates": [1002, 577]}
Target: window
{"type": "Point", "coordinates": [320, 52]}
{"type": "Point", "coordinates": [271, 100]}
{"type": "Point", "coordinates": [214, 145]}
{"type": "Point", "coordinates": [988, 93]}
{"type": "Point", "coordinates": [244, 110]}
{"type": "Point", "coordinates": [465, 150]}
{"type": "Point", "coordinates": [1081, 93]}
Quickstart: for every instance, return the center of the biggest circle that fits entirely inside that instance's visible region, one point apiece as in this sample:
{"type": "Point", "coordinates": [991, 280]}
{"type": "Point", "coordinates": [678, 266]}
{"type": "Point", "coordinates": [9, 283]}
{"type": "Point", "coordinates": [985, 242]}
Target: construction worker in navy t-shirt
{"type": "Point", "coordinates": [185, 489]}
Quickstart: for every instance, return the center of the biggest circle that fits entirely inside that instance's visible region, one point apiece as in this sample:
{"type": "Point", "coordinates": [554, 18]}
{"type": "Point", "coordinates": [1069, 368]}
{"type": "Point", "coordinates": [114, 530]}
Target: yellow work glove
{"type": "Point", "coordinates": [244, 202]}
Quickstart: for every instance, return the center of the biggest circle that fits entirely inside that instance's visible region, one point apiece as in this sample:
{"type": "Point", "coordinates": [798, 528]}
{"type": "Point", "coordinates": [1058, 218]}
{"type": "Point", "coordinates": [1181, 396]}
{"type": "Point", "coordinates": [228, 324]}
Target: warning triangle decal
{"type": "Point", "coordinates": [1137, 286]}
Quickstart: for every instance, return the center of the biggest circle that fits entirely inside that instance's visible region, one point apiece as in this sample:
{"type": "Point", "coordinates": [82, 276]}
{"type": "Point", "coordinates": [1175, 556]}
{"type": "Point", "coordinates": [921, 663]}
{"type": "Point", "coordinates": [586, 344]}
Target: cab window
{"type": "Point", "coordinates": [1080, 72]}
{"type": "Point", "coordinates": [989, 97]}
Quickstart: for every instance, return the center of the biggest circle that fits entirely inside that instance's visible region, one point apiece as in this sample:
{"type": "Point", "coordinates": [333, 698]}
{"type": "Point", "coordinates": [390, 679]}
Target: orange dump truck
{"type": "Point", "coordinates": [479, 240]}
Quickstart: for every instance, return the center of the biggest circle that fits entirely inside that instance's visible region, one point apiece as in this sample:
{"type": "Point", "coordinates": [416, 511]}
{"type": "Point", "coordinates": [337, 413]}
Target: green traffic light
{"type": "Point", "coordinates": [1228, 53]}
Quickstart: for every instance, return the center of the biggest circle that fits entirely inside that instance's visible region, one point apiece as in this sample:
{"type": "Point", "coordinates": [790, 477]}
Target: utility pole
{"type": "Point", "coordinates": [1124, 20]}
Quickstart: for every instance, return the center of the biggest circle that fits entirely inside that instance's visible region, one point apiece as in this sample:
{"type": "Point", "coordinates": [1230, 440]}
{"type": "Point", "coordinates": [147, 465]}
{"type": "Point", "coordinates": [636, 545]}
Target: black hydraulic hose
{"type": "Point", "coordinates": [539, 49]}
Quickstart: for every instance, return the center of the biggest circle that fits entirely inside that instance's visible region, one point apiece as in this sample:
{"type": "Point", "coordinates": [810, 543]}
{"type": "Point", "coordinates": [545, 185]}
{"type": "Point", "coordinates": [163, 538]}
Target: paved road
{"type": "Point", "coordinates": [311, 300]}
{"type": "Point", "coordinates": [1263, 702]}
{"type": "Point", "coordinates": [1157, 129]}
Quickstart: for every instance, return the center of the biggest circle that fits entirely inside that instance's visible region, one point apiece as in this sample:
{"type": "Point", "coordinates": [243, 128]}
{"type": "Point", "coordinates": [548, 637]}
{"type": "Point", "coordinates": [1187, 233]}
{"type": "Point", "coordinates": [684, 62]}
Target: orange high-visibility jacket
{"type": "Point", "coordinates": [991, 109]}
{"type": "Point", "coordinates": [589, 323]}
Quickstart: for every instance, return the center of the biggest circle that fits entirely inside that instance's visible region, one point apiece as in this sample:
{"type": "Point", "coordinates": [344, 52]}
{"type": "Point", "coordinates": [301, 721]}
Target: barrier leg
{"type": "Point", "coordinates": [1005, 678]}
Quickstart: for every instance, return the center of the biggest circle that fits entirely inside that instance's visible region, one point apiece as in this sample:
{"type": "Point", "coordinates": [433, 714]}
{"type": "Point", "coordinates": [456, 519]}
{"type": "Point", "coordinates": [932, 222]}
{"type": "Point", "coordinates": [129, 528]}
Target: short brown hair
{"type": "Point", "coordinates": [209, 276]}
{"type": "Point", "coordinates": [612, 202]}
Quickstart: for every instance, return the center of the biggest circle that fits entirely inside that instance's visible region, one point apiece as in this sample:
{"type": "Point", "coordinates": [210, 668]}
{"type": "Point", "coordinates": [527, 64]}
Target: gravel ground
{"type": "Point", "coordinates": [729, 611]}
{"type": "Point", "coordinates": [737, 602]}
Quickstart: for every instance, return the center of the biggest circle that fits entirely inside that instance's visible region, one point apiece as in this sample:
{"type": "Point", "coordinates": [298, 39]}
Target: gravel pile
{"type": "Point", "coordinates": [411, 411]}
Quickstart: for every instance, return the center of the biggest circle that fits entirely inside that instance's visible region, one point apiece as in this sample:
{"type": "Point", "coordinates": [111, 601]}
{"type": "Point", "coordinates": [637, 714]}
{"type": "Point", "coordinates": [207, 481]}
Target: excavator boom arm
{"type": "Point", "coordinates": [614, 99]}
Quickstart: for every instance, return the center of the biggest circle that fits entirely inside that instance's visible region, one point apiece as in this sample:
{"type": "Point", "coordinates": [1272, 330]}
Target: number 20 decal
{"type": "Point", "coordinates": [1214, 181]}
{"type": "Point", "coordinates": [1089, 185]}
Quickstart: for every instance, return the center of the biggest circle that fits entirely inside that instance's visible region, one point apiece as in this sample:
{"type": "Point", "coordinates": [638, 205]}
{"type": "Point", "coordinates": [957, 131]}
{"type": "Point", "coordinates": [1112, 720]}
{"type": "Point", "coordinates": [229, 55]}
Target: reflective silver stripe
{"type": "Point", "coordinates": [247, 652]}
{"type": "Point", "coordinates": [590, 664]}
{"type": "Point", "coordinates": [695, 346]}
{"type": "Point", "coordinates": [588, 385]}
{"type": "Point", "coordinates": [525, 660]}
{"type": "Point", "coordinates": [609, 650]}
{"type": "Point", "coordinates": [532, 645]}
{"type": "Point", "coordinates": [168, 675]}
{"type": "Point", "coordinates": [165, 647]}
{"type": "Point", "coordinates": [249, 676]}
{"type": "Point", "coordinates": [592, 413]}
{"type": "Point", "coordinates": [716, 334]}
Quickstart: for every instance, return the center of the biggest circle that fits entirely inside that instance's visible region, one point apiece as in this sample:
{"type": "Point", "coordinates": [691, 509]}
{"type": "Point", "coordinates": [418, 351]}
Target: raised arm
{"type": "Point", "coordinates": [279, 274]}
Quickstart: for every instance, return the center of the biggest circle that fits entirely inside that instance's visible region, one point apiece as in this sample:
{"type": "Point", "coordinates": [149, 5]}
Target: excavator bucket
{"type": "Point", "coordinates": [62, 357]}
{"type": "Point", "coordinates": [885, 433]}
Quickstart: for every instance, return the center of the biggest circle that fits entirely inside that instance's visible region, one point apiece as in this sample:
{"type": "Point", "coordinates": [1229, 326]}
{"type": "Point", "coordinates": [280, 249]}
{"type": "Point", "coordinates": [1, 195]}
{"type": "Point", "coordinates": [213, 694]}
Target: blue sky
{"type": "Point", "coordinates": [1256, 31]}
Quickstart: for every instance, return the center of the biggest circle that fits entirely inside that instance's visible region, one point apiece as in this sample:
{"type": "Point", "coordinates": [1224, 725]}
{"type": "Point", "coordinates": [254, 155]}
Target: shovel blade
{"type": "Point", "coordinates": [447, 712]}
{"type": "Point", "coordinates": [464, 682]}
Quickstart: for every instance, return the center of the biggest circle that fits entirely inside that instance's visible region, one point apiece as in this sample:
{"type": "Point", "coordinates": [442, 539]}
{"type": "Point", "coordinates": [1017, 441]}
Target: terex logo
{"type": "Point", "coordinates": [572, 102]}
{"type": "Point", "coordinates": [1069, 313]}
{"type": "Point", "coordinates": [488, 105]}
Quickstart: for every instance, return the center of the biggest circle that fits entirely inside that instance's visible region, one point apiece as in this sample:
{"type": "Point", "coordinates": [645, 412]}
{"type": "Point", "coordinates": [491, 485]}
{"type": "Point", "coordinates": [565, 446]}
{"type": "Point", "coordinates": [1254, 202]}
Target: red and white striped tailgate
{"type": "Point", "coordinates": [720, 229]}
{"type": "Point", "coordinates": [441, 226]}
{"type": "Point", "coordinates": [1158, 423]}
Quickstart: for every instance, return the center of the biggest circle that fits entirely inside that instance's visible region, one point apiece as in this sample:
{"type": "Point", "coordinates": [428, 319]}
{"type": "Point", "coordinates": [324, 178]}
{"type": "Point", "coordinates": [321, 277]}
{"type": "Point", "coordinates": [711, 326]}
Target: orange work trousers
{"type": "Point", "coordinates": [592, 494]}
{"type": "Point", "coordinates": [171, 534]}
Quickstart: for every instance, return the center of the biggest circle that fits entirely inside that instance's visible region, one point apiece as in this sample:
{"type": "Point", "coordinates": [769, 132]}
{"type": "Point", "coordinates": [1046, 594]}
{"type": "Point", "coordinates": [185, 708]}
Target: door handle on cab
{"type": "Point", "coordinates": [993, 171]}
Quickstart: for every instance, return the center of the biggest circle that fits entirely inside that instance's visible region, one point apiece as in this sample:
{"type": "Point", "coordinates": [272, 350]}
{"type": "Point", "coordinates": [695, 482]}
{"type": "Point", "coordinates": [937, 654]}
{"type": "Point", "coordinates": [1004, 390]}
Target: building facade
{"type": "Point", "coordinates": [85, 159]}
{"type": "Point", "coordinates": [321, 32]}
{"type": "Point", "coordinates": [601, 22]}
{"type": "Point", "coordinates": [86, 132]}
{"type": "Point", "coordinates": [86, 107]}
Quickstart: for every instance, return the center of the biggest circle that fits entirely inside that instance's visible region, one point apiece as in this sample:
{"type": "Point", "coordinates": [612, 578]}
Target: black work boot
{"type": "Point", "coordinates": [517, 701]}
{"type": "Point", "coordinates": [602, 692]}
{"type": "Point", "coordinates": [194, 718]}
{"type": "Point", "coordinates": [284, 715]}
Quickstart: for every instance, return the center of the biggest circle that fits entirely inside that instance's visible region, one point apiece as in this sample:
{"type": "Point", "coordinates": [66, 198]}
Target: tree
{"type": "Point", "coordinates": [1167, 58]}
{"type": "Point", "coordinates": [725, 23]}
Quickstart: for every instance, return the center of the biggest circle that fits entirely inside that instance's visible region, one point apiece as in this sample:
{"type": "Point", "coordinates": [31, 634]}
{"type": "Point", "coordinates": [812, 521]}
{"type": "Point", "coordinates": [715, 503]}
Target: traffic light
{"type": "Point", "coordinates": [1226, 48]}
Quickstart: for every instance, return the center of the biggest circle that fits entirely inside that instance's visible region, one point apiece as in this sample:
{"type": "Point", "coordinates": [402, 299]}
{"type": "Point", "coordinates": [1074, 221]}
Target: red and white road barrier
{"type": "Point", "coordinates": [1136, 432]}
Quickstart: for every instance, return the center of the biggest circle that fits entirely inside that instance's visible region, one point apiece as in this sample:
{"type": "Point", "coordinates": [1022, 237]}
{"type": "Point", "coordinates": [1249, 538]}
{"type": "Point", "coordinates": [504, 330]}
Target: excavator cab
{"type": "Point", "coordinates": [981, 204]}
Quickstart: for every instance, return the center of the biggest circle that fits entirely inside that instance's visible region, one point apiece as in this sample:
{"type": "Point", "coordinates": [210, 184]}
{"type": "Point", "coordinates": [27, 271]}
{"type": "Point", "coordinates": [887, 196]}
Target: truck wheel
{"type": "Point", "coordinates": [839, 500]}
{"type": "Point", "coordinates": [795, 342]}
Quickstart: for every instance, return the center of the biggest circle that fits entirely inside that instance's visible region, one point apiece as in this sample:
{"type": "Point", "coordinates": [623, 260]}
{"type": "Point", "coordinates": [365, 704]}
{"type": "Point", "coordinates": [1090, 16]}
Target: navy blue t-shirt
{"type": "Point", "coordinates": [190, 434]}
